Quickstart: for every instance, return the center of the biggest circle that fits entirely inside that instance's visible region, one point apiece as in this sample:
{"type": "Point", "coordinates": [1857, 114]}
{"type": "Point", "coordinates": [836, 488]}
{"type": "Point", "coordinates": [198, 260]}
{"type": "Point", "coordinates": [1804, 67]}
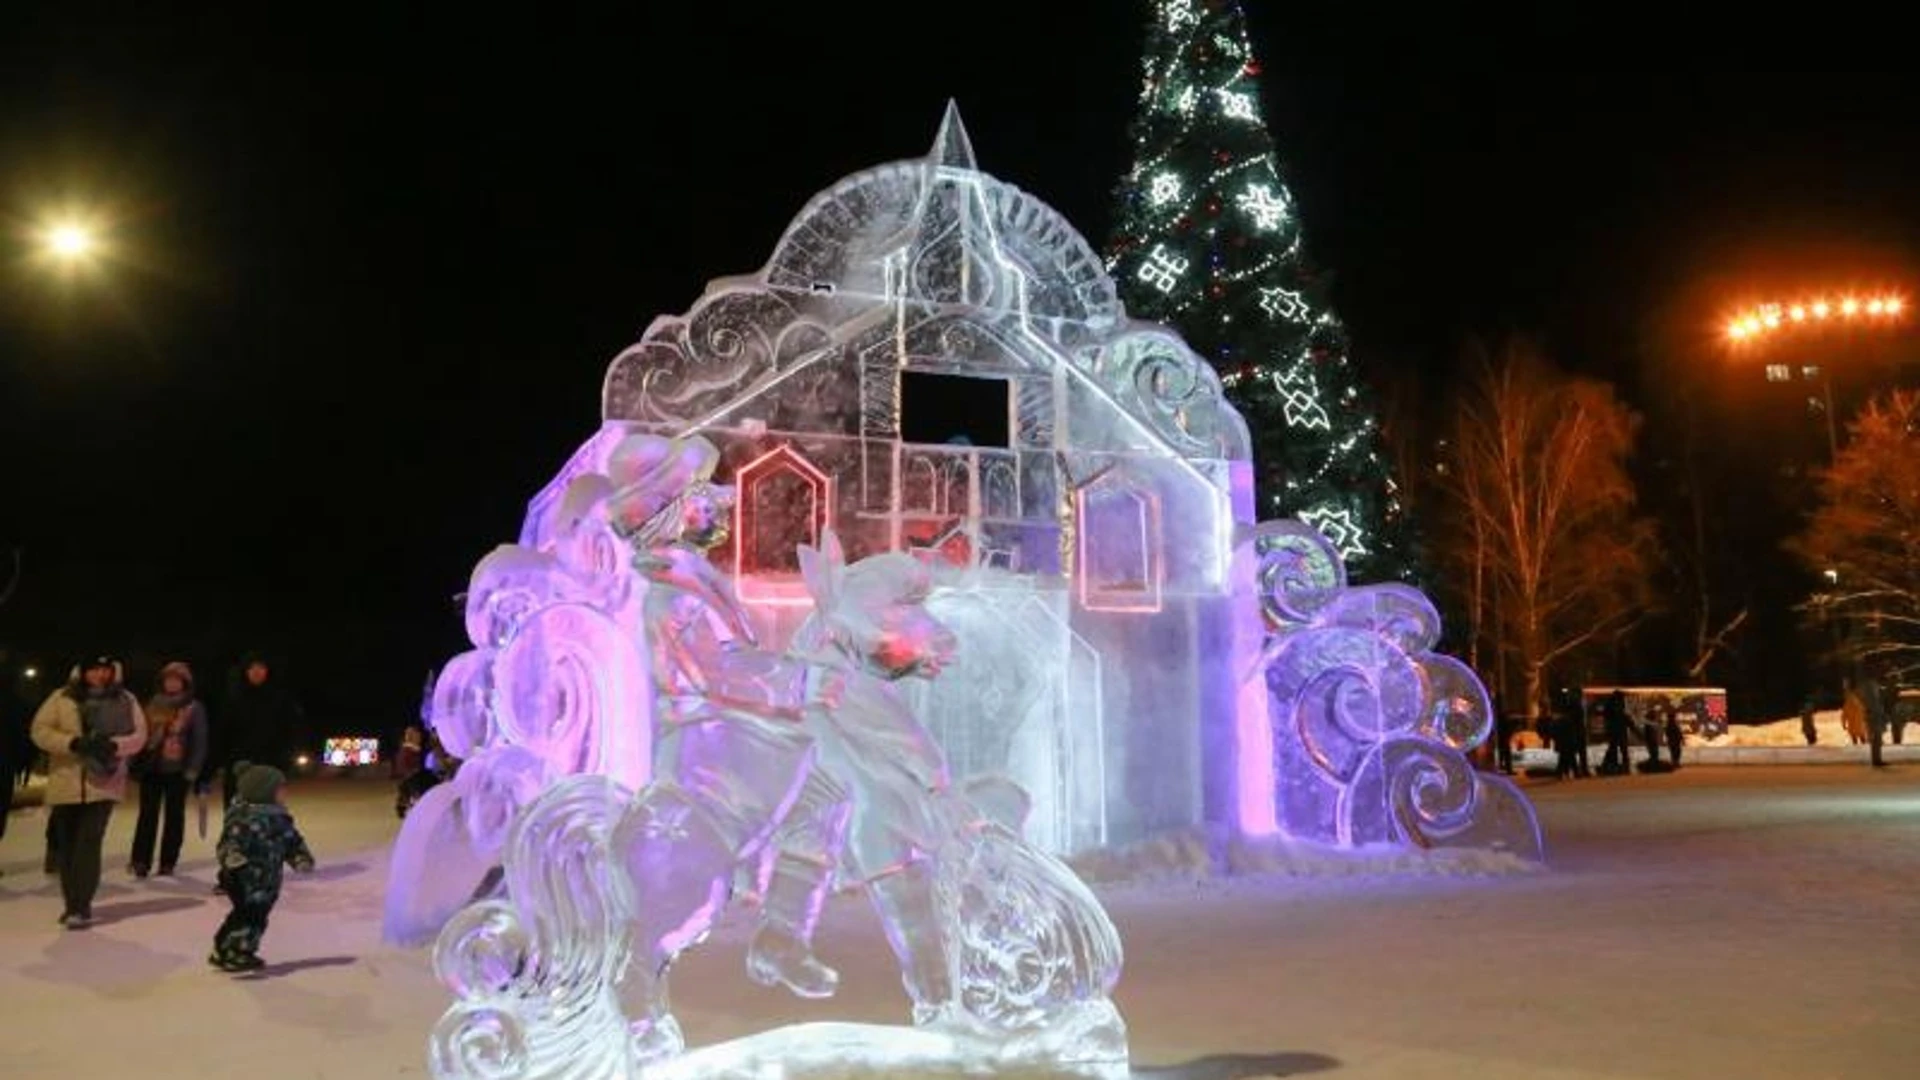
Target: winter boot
{"type": "Point", "coordinates": [782, 948]}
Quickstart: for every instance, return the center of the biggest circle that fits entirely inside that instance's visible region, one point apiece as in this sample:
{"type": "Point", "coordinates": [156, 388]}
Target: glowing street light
{"type": "Point", "coordinates": [70, 241]}
{"type": "Point", "coordinates": [1763, 319]}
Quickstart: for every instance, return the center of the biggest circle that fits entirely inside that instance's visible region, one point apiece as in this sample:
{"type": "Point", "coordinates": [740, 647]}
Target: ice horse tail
{"type": "Point", "coordinates": [536, 975]}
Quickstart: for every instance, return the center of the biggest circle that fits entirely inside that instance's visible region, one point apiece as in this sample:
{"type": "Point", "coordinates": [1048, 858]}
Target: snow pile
{"type": "Point", "coordinates": [1201, 853]}
{"type": "Point", "coordinates": [1781, 733]}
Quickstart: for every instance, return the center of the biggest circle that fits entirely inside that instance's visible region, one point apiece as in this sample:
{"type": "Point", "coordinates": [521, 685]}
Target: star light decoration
{"type": "Point", "coordinates": [1162, 269]}
{"type": "Point", "coordinates": [1281, 303]}
{"type": "Point", "coordinates": [1263, 206]}
{"type": "Point", "coordinates": [1164, 189]}
{"type": "Point", "coordinates": [1336, 523]}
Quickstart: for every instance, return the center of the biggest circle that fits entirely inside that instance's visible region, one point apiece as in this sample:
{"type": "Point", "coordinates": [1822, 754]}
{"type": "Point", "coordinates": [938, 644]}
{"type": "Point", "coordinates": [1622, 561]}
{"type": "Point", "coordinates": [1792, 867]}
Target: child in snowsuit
{"type": "Point", "coordinates": [258, 840]}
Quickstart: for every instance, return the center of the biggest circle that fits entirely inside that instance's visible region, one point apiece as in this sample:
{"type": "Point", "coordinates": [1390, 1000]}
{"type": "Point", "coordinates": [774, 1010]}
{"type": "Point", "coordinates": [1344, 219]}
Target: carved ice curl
{"type": "Point", "coordinates": [1371, 727]}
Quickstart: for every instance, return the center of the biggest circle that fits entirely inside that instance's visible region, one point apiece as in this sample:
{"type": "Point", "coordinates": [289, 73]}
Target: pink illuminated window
{"type": "Point", "coordinates": [782, 502]}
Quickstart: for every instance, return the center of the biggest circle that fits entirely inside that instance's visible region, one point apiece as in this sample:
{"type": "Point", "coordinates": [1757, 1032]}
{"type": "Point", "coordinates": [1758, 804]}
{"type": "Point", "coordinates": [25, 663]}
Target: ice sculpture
{"type": "Point", "coordinates": [682, 692]}
{"type": "Point", "coordinates": [1367, 728]}
{"type": "Point", "coordinates": [1006, 957]}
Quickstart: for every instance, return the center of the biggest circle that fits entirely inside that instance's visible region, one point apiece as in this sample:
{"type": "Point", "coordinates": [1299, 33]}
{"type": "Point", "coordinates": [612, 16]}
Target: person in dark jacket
{"type": "Point", "coordinates": [1570, 735]}
{"type": "Point", "coordinates": [1807, 729]}
{"type": "Point", "coordinates": [1875, 701]}
{"type": "Point", "coordinates": [171, 764]}
{"type": "Point", "coordinates": [258, 840]}
{"type": "Point", "coordinates": [1503, 736]}
{"type": "Point", "coordinates": [1676, 740]}
{"type": "Point", "coordinates": [1614, 714]}
{"type": "Point", "coordinates": [16, 749]}
{"type": "Point", "coordinates": [261, 724]}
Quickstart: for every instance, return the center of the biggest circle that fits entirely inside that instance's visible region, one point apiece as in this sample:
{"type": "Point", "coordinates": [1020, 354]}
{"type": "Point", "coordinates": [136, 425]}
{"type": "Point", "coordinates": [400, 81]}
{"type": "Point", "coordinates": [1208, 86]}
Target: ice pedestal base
{"type": "Point", "coordinates": [833, 1051]}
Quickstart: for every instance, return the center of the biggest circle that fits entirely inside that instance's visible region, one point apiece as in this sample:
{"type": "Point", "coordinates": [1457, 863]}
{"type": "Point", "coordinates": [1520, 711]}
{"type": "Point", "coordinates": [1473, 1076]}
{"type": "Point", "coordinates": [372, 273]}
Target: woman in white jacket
{"type": "Point", "coordinates": [88, 728]}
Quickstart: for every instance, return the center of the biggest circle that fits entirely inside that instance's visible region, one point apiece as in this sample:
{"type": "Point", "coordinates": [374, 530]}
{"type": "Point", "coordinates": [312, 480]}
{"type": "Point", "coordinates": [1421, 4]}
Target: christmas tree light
{"type": "Point", "coordinates": [1207, 239]}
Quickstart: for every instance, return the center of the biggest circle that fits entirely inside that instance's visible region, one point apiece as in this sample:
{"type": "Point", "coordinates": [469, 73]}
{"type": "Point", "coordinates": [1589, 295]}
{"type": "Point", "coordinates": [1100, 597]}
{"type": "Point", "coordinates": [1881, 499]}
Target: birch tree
{"type": "Point", "coordinates": [1545, 539]}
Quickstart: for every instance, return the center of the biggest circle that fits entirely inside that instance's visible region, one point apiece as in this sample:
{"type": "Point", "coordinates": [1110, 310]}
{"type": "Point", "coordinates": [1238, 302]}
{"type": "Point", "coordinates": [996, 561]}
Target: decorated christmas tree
{"type": "Point", "coordinates": [1208, 240]}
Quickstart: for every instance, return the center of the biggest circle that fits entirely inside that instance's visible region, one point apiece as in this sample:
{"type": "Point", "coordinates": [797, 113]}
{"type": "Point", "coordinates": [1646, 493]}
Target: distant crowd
{"type": "Point", "coordinates": [98, 739]}
{"type": "Point", "coordinates": [1870, 711]}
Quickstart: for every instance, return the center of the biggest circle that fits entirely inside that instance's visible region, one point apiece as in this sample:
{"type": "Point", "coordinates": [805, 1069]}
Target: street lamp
{"type": "Point", "coordinates": [69, 242]}
{"type": "Point", "coordinates": [1763, 322]}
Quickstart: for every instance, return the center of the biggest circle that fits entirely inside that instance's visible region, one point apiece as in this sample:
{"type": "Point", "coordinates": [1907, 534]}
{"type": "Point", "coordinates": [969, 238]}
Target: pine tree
{"type": "Point", "coordinates": [1208, 241]}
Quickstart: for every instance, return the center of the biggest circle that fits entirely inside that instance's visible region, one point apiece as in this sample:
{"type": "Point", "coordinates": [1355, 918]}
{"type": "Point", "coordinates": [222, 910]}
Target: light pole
{"type": "Point", "coordinates": [1764, 323]}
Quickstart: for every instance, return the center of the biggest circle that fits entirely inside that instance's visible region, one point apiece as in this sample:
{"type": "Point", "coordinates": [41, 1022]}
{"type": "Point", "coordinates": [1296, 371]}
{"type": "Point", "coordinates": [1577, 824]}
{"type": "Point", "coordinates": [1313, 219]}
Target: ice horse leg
{"type": "Point", "coordinates": [678, 851]}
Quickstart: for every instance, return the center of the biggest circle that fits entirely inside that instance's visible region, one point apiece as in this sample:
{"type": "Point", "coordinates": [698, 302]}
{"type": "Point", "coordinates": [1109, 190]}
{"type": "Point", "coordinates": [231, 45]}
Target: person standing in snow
{"type": "Point", "coordinates": [261, 725]}
{"type": "Point", "coordinates": [170, 765]}
{"type": "Point", "coordinates": [1675, 738]}
{"type": "Point", "coordinates": [1873, 703]}
{"type": "Point", "coordinates": [1570, 735]}
{"type": "Point", "coordinates": [1613, 711]}
{"type": "Point", "coordinates": [88, 728]}
{"type": "Point", "coordinates": [16, 750]}
{"type": "Point", "coordinates": [1853, 713]}
{"type": "Point", "coordinates": [257, 842]}
{"type": "Point", "coordinates": [1807, 729]}
{"type": "Point", "coordinates": [1503, 734]}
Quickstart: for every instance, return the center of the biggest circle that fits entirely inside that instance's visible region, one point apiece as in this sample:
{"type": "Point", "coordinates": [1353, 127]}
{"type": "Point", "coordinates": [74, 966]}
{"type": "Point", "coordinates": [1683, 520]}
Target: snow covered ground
{"type": "Point", "coordinates": [1753, 922]}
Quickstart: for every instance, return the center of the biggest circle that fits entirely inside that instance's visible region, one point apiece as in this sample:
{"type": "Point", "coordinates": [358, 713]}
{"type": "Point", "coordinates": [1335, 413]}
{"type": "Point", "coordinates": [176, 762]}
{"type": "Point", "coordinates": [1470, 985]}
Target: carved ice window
{"type": "Point", "coordinates": [782, 502]}
{"type": "Point", "coordinates": [1120, 562]}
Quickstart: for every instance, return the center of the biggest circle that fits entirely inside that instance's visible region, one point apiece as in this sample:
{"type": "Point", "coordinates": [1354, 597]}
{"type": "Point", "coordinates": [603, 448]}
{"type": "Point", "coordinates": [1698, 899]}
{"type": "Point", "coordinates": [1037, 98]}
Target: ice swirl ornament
{"type": "Point", "coordinates": [1370, 726]}
{"type": "Point", "coordinates": [557, 684]}
{"type": "Point", "coordinates": [536, 978]}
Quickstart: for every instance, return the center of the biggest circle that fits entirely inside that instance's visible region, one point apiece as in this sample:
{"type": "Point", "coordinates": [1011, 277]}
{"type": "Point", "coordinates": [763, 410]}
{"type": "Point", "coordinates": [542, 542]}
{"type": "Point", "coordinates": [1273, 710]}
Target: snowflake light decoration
{"type": "Point", "coordinates": [1236, 105]}
{"type": "Point", "coordinates": [1300, 399]}
{"type": "Point", "coordinates": [1263, 206]}
{"type": "Point", "coordinates": [1180, 15]}
{"type": "Point", "coordinates": [1162, 269]}
{"type": "Point", "coordinates": [1165, 189]}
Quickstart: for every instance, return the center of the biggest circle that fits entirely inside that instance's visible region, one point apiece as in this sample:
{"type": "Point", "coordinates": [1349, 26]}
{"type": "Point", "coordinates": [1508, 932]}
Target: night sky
{"type": "Point", "coordinates": [370, 268]}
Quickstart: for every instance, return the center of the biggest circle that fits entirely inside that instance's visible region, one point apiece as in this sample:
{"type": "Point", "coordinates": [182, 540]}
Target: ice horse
{"type": "Point", "coordinates": [1007, 958]}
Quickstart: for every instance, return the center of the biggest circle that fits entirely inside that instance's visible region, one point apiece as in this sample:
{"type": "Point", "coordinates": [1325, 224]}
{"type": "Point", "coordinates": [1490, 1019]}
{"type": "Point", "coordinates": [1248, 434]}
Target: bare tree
{"type": "Point", "coordinates": [1542, 531]}
{"type": "Point", "coordinates": [1864, 538]}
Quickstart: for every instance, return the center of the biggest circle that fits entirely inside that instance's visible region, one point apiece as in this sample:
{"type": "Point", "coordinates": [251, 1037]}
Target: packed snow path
{"type": "Point", "coordinates": [1750, 922]}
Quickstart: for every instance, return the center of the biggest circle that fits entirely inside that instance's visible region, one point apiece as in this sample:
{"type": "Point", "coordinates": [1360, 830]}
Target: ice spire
{"type": "Point", "coordinates": [952, 150]}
